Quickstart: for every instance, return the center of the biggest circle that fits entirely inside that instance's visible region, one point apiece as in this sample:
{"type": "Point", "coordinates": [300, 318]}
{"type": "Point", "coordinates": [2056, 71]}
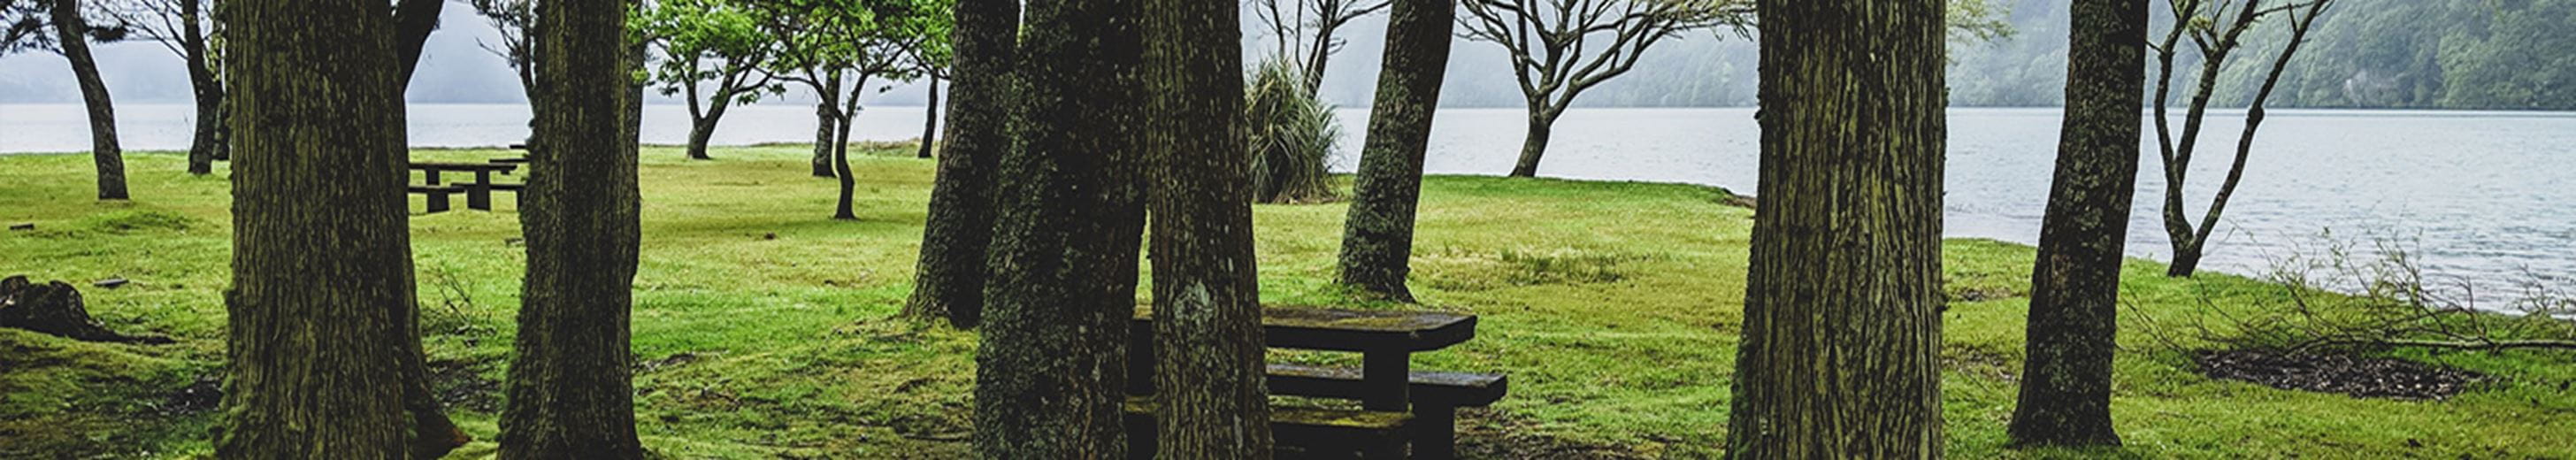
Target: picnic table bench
{"type": "Point", "coordinates": [1399, 405]}
{"type": "Point", "coordinates": [478, 193]}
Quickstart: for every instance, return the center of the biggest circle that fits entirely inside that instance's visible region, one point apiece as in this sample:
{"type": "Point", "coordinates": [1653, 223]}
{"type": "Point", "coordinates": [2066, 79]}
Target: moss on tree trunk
{"type": "Point", "coordinates": [1050, 374]}
{"type": "Point", "coordinates": [569, 390]}
{"type": "Point", "coordinates": [2075, 284]}
{"type": "Point", "coordinates": [950, 282]}
{"type": "Point", "coordinates": [1377, 239]}
{"type": "Point", "coordinates": [321, 307]}
{"type": "Point", "coordinates": [1842, 325]}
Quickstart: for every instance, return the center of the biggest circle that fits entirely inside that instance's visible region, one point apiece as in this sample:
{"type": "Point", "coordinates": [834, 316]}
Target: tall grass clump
{"type": "Point", "coordinates": [1292, 136]}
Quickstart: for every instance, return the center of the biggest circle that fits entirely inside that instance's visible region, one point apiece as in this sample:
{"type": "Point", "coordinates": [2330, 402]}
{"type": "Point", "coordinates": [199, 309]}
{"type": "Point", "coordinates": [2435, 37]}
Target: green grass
{"type": "Point", "coordinates": [766, 332]}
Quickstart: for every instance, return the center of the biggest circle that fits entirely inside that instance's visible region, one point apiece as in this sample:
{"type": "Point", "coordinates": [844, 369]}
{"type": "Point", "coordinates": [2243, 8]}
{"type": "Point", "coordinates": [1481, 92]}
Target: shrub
{"type": "Point", "coordinates": [1292, 136]}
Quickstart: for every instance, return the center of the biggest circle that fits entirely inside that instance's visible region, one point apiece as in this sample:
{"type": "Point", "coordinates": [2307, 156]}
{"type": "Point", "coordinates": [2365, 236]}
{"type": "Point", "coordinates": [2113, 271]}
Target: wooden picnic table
{"type": "Point", "coordinates": [478, 194]}
{"type": "Point", "coordinates": [1385, 383]}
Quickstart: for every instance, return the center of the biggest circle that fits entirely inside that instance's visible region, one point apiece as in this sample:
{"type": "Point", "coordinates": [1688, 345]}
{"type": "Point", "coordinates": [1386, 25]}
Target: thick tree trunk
{"type": "Point", "coordinates": [321, 306]}
{"type": "Point", "coordinates": [1377, 239]}
{"type": "Point", "coordinates": [1209, 379]}
{"type": "Point", "coordinates": [1051, 373]}
{"type": "Point", "coordinates": [204, 89]}
{"type": "Point", "coordinates": [73, 34]}
{"type": "Point", "coordinates": [950, 279]}
{"type": "Point", "coordinates": [827, 121]}
{"type": "Point", "coordinates": [1542, 121]}
{"type": "Point", "coordinates": [569, 394]}
{"type": "Point", "coordinates": [2075, 284]}
{"type": "Point", "coordinates": [930, 120]}
{"type": "Point", "coordinates": [1842, 312]}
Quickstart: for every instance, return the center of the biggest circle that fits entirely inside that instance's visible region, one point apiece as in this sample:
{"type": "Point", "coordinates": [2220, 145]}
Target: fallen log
{"type": "Point", "coordinates": [55, 308]}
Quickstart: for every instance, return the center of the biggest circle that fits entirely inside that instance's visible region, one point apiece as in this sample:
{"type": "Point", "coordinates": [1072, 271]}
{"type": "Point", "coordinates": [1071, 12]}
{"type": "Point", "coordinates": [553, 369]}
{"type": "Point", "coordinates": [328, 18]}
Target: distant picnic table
{"type": "Point", "coordinates": [478, 193]}
{"type": "Point", "coordinates": [1400, 406]}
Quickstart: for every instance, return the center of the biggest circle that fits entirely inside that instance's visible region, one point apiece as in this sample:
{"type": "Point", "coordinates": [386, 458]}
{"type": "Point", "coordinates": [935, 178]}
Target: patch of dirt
{"type": "Point", "coordinates": [201, 396]}
{"type": "Point", "coordinates": [1485, 434]}
{"type": "Point", "coordinates": [460, 385]}
{"type": "Point", "coordinates": [2331, 373]}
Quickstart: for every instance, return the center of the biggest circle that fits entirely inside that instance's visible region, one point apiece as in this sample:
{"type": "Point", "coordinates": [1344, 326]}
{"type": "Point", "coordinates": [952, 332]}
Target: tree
{"type": "Point", "coordinates": [716, 52]}
{"type": "Point", "coordinates": [1842, 307]}
{"type": "Point", "coordinates": [2216, 35]}
{"type": "Point", "coordinates": [322, 294]}
{"type": "Point", "coordinates": [1377, 238]}
{"type": "Point", "coordinates": [413, 21]}
{"type": "Point", "coordinates": [72, 35]}
{"type": "Point", "coordinates": [950, 280]}
{"type": "Point", "coordinates": [187, 29]}
{"type": "Point", "coordinates": [1209, 379]}
{"type": "Point", "coordinates": [1304, 29]}
{"type": "Point", "coordinates": [933, 62]}
{"type": "Point", "coordinates": [827, 43]}
{"type": "Point", "coordinates": [1561, 47]}
{"type": "Point", "coordinates": [1050, 374]}
{"type": "Point", "coordinates": [514, 21]}
{"type": "Point", "coordinates": [2075, 284]}
{"type": "Point", "coordinates": [569, 389]}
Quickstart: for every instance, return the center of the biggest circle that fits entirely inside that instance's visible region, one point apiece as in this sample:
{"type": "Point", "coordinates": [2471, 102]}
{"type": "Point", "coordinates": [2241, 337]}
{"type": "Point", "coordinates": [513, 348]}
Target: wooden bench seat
{"type": "Point", "coordinates": [1436, 398]}
{"type": "Point", "coordinates": [1301, 432]}
{"type": "Point", "coordinates": [437, 195]}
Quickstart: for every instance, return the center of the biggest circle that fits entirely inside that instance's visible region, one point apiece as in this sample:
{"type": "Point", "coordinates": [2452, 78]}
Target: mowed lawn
{"type": "Point", "coordinates": [763, 329]}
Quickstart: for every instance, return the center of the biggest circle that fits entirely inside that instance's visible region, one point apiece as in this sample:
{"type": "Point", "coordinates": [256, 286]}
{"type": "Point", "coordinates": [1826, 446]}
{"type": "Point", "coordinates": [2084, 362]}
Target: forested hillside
{"type": "Point", "coordinates": [2446, 54]}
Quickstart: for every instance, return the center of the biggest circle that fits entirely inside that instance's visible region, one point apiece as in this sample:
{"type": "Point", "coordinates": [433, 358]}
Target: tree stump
{"type": "Point", "coordinates": [55, 308]}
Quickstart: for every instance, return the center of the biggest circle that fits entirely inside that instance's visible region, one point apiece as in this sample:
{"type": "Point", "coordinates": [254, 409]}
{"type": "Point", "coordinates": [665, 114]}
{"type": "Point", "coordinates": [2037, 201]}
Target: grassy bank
{"type": "Point", "coordinates": [763, 329]}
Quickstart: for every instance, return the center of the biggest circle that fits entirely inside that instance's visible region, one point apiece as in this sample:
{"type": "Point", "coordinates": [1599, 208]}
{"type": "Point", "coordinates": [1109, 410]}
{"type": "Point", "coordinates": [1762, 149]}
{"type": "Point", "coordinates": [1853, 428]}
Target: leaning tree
{"type": "Point", "coordinates": [1842, 306]}
{"type": "Point", "coordinates": [70, 21]}
{"type": "Point", "coordinates": [1377, 238]}
{"type": "Point", "coordinates": [2216, 29]}
{"type": "Point", "coordinates": [714, 52]}
{"type": "Point", "coordinates": [2065, 395]}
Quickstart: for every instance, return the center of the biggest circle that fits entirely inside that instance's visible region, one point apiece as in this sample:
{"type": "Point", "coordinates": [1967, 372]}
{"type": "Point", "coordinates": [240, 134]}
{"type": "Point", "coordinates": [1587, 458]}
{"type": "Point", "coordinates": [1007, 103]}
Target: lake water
{"type": "Point", "coordinates": [2489, 196]}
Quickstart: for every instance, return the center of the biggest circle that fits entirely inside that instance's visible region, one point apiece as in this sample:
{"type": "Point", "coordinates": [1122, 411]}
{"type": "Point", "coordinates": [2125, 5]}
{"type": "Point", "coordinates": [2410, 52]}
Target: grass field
{"type": "Point", "coordinates": [763, 329]}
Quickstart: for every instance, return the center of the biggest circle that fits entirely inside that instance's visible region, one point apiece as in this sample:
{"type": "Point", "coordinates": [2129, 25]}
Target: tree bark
{"type": "Point", "coordinates": [1377, 238]}
{"type": "Point", "coordinates": [73, 34]}
{"type": "Point", "coordinates": [205, 90]}
{"type": "Point", "coordinates": [930, 120]}
{"type": "Point", "coordinates": [569, 390]}
{"type": "Point", "coordinates": [950, 279]}
{"type": "Point", "coordinates": [1211, 390]}
{"type": "Point", "coordinates": [2075, 283]}
{"type": "Point", "coordinates": [1051, 372]}
{"type": "Point", "coordinates": [1542, 122]}
{"type": "Point", "coordinates": [703, 129]}
{"type": "Point", "coordinates": [827, 118]}
{"type": "Point", "coordinates": [321, 307]}
{"type": "Point", "coordinates": [1842, 325]}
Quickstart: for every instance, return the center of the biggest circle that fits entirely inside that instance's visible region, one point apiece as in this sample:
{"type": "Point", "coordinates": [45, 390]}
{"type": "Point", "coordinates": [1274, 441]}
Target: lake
{"type": "Point", "coordinates": [2487, 196]}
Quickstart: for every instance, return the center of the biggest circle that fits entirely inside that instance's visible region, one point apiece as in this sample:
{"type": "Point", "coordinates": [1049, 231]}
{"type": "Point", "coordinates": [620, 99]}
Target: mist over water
{"type": "Point", "coordinates": [2479, 195]}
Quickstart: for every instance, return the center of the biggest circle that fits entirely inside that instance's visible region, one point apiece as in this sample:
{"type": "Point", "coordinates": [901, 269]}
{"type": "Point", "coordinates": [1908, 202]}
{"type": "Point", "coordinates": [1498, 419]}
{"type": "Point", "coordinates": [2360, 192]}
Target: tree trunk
{"type": "Point", "coordinates": [2186, 259]}
{"type": "Point", "coordinates": [2075, 283]}
{"type": "Point", "coordinates": [73, 33]}
{"type": "Point", "coordinates": [1051, 373]}
{"type": "Point", "coordinates": [827, 118]}
{"type": "Point", "coordinates": [950, 279]}
{"type": "Point", "coordinates": [321, 305]}
{"type": "Point", "coordinates": [569, 393]}
{"type": "Point", "coordinates": [1842, 313]}
{"type": "Point", "coordinates": [841, 151]}
{"type": "Point", "coordinates": [204, 89]}
{"type": "Point", "coordinates": [1542, 121]}
{"type": "Point", "coordinates": [1210, 385]}
{"type": "Point", "coordinates": [1377, 239]}
{"type": "Point", "coordinates": [413, 21]}
{"type": "Point", "coordinates": [703, 128]}
{"type": "Point", "coordinates": [930, 120]}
